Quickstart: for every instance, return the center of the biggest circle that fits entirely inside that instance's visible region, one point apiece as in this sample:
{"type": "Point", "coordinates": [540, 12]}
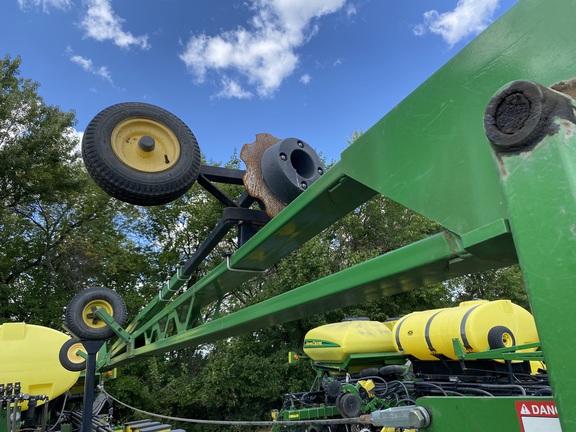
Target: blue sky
{"type": "Point", "coordinates": [317, 70]}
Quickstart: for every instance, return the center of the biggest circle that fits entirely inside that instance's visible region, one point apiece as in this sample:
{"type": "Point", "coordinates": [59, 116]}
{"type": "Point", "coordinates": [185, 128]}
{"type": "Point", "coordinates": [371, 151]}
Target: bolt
{"type": "Point", "coordinates": [320, 171]}
{"type": "Point", "coordinates": [283, 156]}
{"type": "Point", "coordinates": [300, 144]}
{"type": "Point", "coordinates": [303, 185]}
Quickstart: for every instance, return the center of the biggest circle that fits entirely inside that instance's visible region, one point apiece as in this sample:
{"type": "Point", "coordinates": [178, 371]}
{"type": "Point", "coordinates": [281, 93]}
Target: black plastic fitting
{"type": "Point", "coordinates": [290, 167]}
{"type": "Point", "coordinates": [522, 113]}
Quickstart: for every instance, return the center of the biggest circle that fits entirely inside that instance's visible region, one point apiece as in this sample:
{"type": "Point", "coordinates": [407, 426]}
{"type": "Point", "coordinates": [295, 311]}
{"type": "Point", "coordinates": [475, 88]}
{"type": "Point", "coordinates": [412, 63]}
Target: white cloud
{"type": "Point", "coordinates": [264, 54]}
{"type": "Point", "coordinates": [45, 4]}
{"type": "Point", "coordinates": [350, 10]}
{"type": "Point", "coordinates": [469, 17]}
{"type": "Point", "coordinates": [101, 23]}
{"type": "Point", "coordinates": [232, 89]}
{"type": "Point", "coordinates": [88, 66]}
{"type": "Point", "coordinates": [77, 136]}
{"type": "Point", "coordinates": [305, 79]}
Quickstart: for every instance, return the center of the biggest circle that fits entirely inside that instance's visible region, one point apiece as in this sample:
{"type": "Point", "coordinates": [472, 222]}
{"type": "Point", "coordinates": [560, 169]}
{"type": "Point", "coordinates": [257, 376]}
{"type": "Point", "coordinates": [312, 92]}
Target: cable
{"type": "Point", "coordinates": [428, 384]}
{"type": "Point", "coordinates": [355, 420]}
{"type": "Point", "coordinates": [59, 419]}
{"type": "Point", "coordinates": [405, 400]}
{"type": "Point", "coordinates": [476, 390]}
{"type": "Point", "coordinates": [401, 384]}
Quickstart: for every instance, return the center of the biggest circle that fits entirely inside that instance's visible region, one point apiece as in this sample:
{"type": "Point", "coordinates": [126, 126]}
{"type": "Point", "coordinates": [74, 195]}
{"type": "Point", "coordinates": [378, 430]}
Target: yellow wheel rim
{"type": "Point", "coordinates": [72, 353]}
{"type": "Point", "coordinates": [507, 340]}
{"type": "Point", "coordinates": [145, 145]}
{"type": "Point", "coordinates": [90, 318]}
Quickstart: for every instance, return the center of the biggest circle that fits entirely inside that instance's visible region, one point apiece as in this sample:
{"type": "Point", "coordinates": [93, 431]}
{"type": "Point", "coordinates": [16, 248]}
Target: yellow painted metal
{"type": "Point", "coordinates": [89, 316]}
{"type": "Point", "coordinates": [72, 353]}
{"type": "Point", "coordinates": [507, 339]}
{"type": "Point", "coordinates": [138, 424]}
{"type": "Point", "coordinates": [29, 354]}
{"type": "Point", "coordinates": [333, 343]}
{"type": "Point", "coordinates": [392, 429]}
{"type": "Point", "coordinates": [127, 134]}
{"type": "Point", "coordinates": [368, 385]}
{"type": "Point", "coordinates": [427, 334]}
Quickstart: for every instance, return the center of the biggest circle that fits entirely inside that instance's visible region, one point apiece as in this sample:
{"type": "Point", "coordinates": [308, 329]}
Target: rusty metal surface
{"type": "Point", "coordinates": [251, 154]}
{"type": "Point", "coordinates": [567, 87]}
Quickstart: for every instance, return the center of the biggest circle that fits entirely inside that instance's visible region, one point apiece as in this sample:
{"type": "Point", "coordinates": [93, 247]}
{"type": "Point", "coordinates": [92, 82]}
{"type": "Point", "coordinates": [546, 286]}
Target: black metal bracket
{"type": "Point", "coordinates": [237, 213]}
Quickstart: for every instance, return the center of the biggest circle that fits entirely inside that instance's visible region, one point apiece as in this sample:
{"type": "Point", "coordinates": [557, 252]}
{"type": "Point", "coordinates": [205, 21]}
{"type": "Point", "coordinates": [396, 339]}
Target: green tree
{"type": "Point", "coordinates": [506, 283]}
{"type": "Point", "coordinates": [58, 232]}
{"type": "Point", "coordinates": [36, 142]}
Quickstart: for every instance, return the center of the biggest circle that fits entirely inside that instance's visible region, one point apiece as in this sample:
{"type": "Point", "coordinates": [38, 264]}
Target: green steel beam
{"type": "Point", "coordinates": [481, 414]}
{"type": "Point", "coordinates": [109, 320]}
{"type": "Point", "coordinates": [536, 153]}
{"type": "Point", "coordinates": [515, 352]}
{"type": "Point", "coordinates": [431, 260]}
{"type": "Point", "coordinates": [325, 202]}
{"type": "Point", "coordinates": [429, 153]}
{"type": "Point", "coordinates": [321, 412]}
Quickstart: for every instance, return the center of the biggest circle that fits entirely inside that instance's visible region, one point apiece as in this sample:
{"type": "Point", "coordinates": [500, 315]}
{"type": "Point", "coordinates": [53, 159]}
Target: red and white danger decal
{"type": "Point", "coordinates": [538, 416]}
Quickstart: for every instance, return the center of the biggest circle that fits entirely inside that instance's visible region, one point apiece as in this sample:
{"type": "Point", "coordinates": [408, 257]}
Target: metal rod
{"type": "Point", "coordinates": [92, 348]}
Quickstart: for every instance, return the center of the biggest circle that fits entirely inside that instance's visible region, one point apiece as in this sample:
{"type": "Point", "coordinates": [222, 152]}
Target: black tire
{"type": "Point", "coordinates": [81, 321]}
{"type": "Point", "coordinates": [127, 177]}
{"type": "Point", "coordinates": [349, 405]}
{"type": "Point", "coordinates": [68, 357]}
{"type": "Point", "coordinates": [501, 337]}
{"type": "Point", "coordinates": [333, 389]}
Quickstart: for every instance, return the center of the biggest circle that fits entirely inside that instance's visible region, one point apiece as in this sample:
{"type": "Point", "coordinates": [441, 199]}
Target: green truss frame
{"type": "Point", "coordinates": [499, 205]}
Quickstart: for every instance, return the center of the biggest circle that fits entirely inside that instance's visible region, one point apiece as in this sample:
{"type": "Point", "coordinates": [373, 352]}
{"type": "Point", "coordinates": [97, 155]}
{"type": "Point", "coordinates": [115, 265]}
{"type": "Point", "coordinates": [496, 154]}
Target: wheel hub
{"type": "Point", "coordinates": [507, 340]}
{"type": "Point", "coordinates": [89, 313]}
{"type": "Point", "coordinates": [145, 145]}
{"type": "Point", "coordinates": [72, 353]}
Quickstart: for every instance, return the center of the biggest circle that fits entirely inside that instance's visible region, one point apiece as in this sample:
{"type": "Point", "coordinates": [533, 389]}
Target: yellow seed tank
{"type": "Point", "coordinates": [479, 325]}
{"type": "Point", "coordinates": [334, 343]}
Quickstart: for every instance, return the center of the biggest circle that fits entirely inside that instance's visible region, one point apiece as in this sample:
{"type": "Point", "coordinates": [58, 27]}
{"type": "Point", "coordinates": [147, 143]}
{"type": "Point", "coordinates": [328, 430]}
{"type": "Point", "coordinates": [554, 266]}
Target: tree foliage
{"type": "Point", "coordinates": [36, 142]}
{"type": "Point", "coordinates": [58, 232]}
{"type": "Point", "coordinates": [503, 283]}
